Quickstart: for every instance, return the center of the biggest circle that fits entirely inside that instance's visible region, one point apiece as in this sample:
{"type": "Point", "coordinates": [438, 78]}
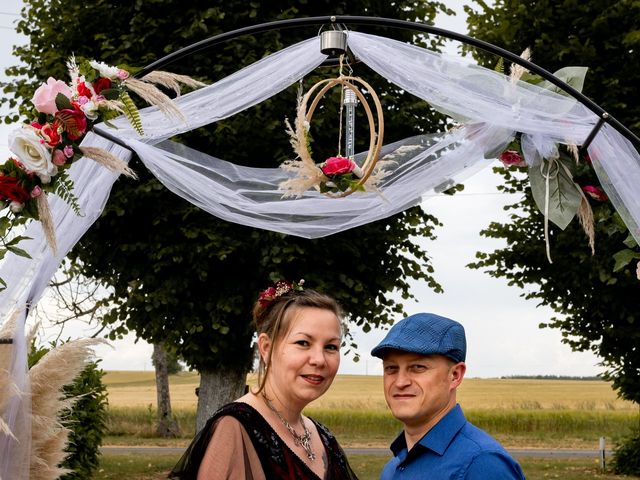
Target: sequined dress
{"type": "Point", "coordinates": [255, 451]}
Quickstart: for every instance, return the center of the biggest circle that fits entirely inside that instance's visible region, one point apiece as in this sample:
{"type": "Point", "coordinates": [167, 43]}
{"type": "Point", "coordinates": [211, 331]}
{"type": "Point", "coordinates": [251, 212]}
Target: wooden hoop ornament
{"type": "Point", "coordinates": [375, 135]}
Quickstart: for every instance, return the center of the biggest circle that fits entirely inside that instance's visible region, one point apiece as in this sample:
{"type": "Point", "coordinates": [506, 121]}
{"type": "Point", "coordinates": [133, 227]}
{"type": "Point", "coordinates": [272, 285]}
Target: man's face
{"type": "Point", "coordinates": [420, 389]}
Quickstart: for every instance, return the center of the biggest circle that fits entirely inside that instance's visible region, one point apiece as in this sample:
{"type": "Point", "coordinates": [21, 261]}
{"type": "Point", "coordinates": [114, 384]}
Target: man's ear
{"type": "Point", "coordinates": [457, 374]}
{"type": "Point", "coordinates": [264, 345]}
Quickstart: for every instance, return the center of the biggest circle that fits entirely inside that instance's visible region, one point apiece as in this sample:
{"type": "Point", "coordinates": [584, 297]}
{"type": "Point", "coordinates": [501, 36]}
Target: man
{"type": "Point", "coordinates": [423, 360]}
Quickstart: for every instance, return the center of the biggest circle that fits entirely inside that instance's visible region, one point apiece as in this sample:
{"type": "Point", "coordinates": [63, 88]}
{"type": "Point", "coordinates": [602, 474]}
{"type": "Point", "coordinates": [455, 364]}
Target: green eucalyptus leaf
{"type": "Point", "coordinates": [572, 76]}
{"type": "Point", "coordinates": [564, 197]}
{"type": "Point", "coordinates": [62, 102]}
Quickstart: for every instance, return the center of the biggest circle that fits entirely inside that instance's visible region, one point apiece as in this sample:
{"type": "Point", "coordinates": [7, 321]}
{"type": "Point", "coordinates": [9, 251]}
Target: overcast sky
{"type": "Point", "coordinates": [502, 329]}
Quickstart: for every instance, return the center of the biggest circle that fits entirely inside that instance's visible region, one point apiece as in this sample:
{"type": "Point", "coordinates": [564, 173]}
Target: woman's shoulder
{"type": "Point", "coordinates": [241, 411]}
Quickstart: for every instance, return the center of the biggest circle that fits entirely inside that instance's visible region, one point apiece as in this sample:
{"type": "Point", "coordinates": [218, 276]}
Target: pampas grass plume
{"type": "Point", "coordinates": [56, 368]}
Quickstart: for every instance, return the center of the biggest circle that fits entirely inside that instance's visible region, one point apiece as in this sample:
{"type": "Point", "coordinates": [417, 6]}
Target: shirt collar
{"type": "Point", "coordinates": [439, 437]}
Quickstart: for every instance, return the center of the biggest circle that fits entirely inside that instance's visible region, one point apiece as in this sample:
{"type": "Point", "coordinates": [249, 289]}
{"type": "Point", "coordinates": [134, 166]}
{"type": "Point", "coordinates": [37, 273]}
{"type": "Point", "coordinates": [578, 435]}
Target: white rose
{"type": "Point", "coordinates": [30, 149]}
{"type": "Point", "coordinates": [90, 110]}
{"type": "Point", "coordinates": [16, 207]}
{"type": "Point", "coordinates": [105, 70]}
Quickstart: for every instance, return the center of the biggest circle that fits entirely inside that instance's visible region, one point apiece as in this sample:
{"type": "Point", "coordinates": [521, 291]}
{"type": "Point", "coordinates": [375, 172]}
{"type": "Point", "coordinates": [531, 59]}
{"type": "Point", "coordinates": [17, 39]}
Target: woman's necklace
{"type": "Point", "coordinates": [303, 440]}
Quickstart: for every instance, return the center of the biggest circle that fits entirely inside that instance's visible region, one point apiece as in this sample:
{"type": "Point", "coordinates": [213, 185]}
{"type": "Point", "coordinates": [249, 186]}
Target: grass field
{"type": "Point", "coordinates": [532, 413]}
{"type": "Point", "coordinates": [137, 389]}
{"type": "Point", "coordinates": [519, 413]}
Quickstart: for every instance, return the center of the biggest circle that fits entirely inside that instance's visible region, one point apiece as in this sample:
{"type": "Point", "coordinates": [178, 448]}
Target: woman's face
{"type": "Point", "coordinates": [306, 360]}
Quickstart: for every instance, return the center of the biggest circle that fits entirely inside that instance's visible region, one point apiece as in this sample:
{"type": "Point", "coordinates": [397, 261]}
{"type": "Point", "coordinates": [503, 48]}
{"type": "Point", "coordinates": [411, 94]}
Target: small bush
{"type": "Point", "coordinates": [87, 420]}
{"type": "Point", "coordinates": [627, 456]}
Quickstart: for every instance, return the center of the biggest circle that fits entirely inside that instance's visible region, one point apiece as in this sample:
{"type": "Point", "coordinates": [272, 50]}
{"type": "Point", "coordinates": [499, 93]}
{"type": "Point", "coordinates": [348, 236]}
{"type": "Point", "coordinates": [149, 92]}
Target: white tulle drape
{"type": "Point", "coordinates": [27, 279]}
{"type": "Point", "coordinates": [491, 107]}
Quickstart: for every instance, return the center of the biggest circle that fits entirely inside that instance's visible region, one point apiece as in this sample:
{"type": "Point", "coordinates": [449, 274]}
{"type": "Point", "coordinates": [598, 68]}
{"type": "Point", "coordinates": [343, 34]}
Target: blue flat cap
{"type": "Point", "coordinates": [425, 334]}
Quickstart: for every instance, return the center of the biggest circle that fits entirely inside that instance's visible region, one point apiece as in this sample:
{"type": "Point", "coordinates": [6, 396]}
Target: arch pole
{"type": "Point", "coordinates": [403, 25]}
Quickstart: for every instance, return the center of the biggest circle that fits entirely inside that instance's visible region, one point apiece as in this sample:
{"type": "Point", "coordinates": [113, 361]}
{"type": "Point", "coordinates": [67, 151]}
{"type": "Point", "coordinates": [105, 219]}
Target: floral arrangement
{"type": "Point", "coordinates": [337, 176]}
{"type": "Point", "coordinates": [557, 195]}
{"type": "Point", "coordinates": [46, 147]}
{"type": "Point", "coordinates": [280, 288]}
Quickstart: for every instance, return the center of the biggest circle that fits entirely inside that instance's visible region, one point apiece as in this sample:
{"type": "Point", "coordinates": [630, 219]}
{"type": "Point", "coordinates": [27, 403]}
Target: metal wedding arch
{"type": "Point", "coordinates": [493, 110]}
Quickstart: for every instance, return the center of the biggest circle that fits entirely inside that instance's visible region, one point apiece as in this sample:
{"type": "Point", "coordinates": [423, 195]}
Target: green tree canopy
{"type": "Point", "coordinates": [178, 275]}
{"type": "Point", "coordinates": [597, 306]}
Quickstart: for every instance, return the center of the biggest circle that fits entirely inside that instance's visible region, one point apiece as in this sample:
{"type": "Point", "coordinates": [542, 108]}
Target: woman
{"type": "Point", "coordinates": [263, 435]}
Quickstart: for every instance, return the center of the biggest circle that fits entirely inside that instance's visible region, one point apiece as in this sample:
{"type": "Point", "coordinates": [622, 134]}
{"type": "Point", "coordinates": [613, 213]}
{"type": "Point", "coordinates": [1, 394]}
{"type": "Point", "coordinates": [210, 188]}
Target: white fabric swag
{"type": "Point", "coordinates": [491, 108]}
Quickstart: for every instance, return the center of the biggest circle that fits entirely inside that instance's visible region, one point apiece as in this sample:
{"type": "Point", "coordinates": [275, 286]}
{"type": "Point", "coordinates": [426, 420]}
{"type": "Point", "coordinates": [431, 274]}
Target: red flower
{"type": "Point", "coordinates": [595, 192]}
{"type": "Point", "coordinates": [73, 120]}
{"type": "Point", "coordinates": [83, 90]}
{"type": "Point", "coordinates": [10, 189]}
{"type": "Point", "coordinates": [338, 166]}
{"type": "Point", "coordinates": [512, 158]}
{"type": "Point", "coordinates": [266, 296]}
{"type": "Point", "coordinates": [101, 84]}
{"type": "Point", "coordinates": [49, 133]}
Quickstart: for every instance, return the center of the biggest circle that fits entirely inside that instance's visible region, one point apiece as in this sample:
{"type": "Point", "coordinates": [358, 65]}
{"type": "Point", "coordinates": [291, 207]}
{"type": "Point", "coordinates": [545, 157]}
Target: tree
{"type": "Point", "coordinates": [594, 296]}
{"type": "Point", "coordinates": [167, 425]}
{"type": "Point", "coordinates": [180, 276]}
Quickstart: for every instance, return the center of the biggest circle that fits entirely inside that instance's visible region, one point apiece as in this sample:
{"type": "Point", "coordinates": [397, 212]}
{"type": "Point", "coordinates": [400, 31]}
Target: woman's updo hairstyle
{"type": "Point", "coordinates": [273, 312]}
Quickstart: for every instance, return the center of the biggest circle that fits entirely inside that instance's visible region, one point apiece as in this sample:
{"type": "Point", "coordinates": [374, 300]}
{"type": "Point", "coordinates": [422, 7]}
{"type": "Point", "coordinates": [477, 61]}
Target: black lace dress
{"type": "Point", "coordinates": [276, 459]}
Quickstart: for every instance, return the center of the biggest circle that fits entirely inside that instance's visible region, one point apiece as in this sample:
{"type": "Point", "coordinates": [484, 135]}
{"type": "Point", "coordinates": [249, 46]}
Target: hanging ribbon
{"type": "Point", "coordinates": [552, 162]}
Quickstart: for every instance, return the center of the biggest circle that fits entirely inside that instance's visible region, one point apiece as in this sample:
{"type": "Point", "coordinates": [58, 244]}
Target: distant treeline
{"type": "Point", "coordinates": [550, 377]}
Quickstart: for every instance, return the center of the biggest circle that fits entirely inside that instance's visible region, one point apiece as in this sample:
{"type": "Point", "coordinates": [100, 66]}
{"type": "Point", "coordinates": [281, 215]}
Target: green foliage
{"type": "Point", "coordinates": [180, 276]}
{"type": "Point", "coordinates": [87, 418]}
{"type": "Point", "coordinates": [596, 306]}
{"type": "Point", "coordinates": [131, 112]}
{"type": "Point", "coordinates": [64, 189]}
{"type": "Point", "coordinates": [626, 459]}
{"type": "Point", "coordinates": [558, 194]}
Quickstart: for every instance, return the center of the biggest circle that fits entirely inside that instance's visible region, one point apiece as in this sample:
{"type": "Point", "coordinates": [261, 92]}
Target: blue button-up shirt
{"type": "Point", "coordinates": [453, 449]}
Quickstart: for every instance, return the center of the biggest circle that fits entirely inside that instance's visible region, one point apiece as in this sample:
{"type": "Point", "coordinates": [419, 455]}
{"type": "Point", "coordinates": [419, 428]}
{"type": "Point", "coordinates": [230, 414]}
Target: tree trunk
{"type": "Point", "coordinates": [167, 425]}
{"type": "Point", "coordinates": [217, 388]}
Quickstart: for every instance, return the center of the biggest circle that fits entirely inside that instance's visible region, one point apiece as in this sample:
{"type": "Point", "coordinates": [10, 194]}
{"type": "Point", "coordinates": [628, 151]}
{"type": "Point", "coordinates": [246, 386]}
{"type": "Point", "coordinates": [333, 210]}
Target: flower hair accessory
{"type": "Point", "coordinates": [280, 288]}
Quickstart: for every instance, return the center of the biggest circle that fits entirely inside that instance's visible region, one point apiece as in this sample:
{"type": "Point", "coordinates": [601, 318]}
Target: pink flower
{"type": "Point", "coordinates": [45, 97]}
{"type": "Point", "coordinates": [36, 192]}
{"type": "Point", "coordinates": [68, 151]}
{"type": "Point", "coordinates": [338, 166]}
{"type": "Point", "coordinates": [59, 158]}
{"type": "Point", "coordinates": [595, 192]}
{"type": "Point", "coordinates": [122, 74]}
{"type": "Point", "coordinates": [512, 158]}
